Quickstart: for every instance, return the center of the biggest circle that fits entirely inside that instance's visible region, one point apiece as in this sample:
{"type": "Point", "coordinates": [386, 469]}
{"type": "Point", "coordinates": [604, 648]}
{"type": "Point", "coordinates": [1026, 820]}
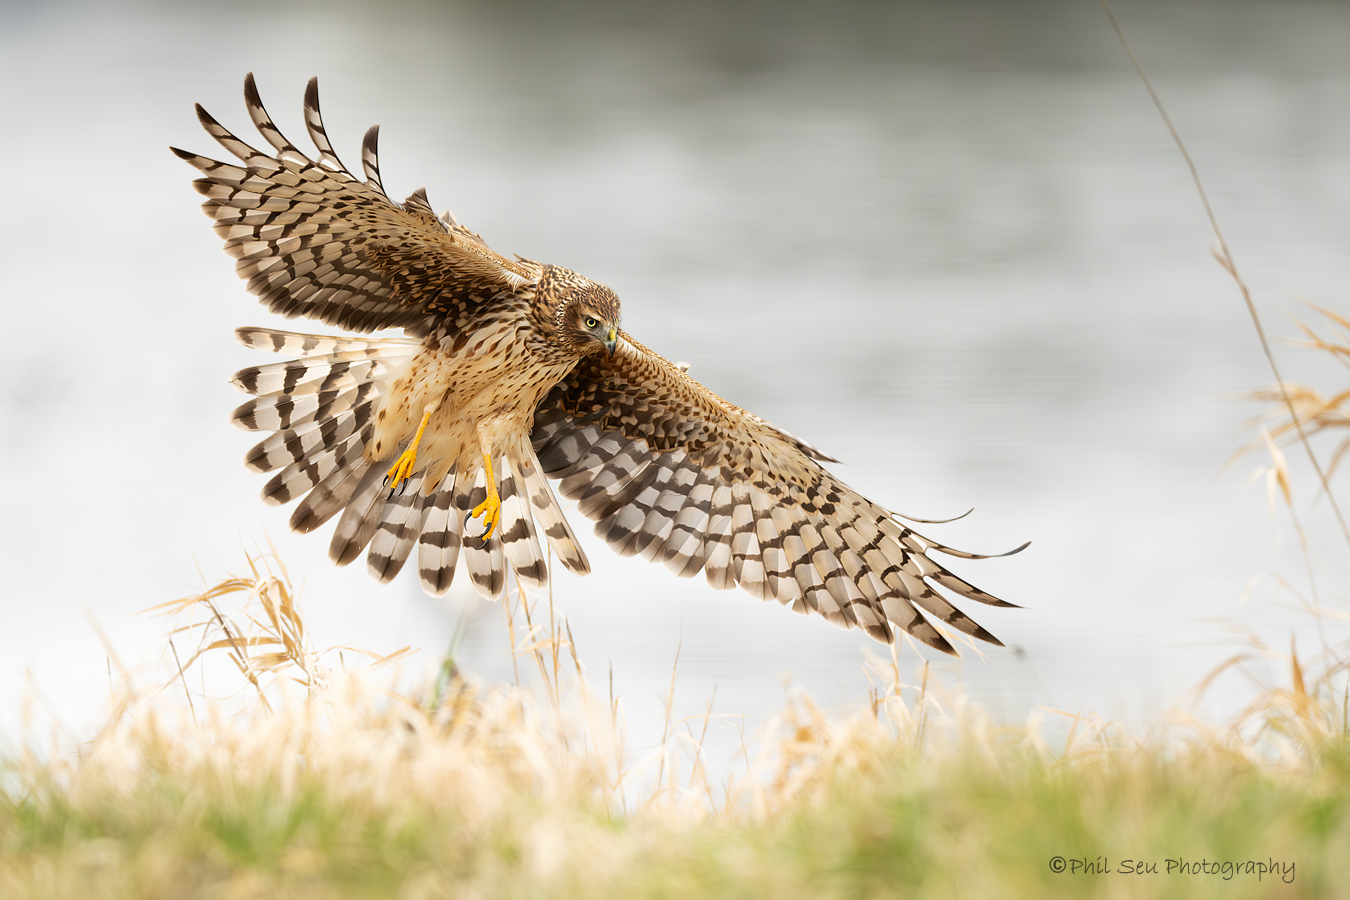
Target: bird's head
{"type": "Point", "coordinates": [587, 314]}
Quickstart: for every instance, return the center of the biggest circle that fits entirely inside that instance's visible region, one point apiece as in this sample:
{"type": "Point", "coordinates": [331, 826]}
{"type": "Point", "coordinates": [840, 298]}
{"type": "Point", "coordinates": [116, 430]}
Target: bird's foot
{"type": "Point", "coordinates": [490, 510]}
{"type": "Point", "coordinates": [397, 476]}
{"type": "Point", "coordinates": [491, 507]}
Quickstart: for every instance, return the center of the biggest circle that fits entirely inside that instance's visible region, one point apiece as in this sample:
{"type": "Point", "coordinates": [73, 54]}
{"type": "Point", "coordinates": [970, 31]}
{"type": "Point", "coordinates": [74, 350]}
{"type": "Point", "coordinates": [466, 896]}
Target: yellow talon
{"type": "Point", "coordinates": [403, 466]}
{"type": "Point", "coordinates": [491, 507]}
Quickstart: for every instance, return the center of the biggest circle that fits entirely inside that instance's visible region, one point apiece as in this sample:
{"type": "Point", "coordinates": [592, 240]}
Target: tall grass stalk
{"type": "Point", "coordinates": [314, 781]}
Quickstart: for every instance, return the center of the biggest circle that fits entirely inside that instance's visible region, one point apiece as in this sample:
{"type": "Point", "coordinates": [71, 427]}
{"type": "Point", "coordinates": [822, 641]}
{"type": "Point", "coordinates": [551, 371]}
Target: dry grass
{"type": "Point", "coordinates": [1316, 412]}
{"type": "Point", "coordinates": [303, 780]}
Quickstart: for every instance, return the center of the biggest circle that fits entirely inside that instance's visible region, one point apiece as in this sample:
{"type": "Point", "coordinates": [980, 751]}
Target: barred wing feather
{"type": "Point", "coordinates": [670, 471]}
{"type": "Point", "coordinates": [313, 240]}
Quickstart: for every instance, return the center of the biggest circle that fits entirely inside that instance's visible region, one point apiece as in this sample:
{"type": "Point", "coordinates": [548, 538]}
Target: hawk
{"type": "Point", "coordinates": [509, 373]}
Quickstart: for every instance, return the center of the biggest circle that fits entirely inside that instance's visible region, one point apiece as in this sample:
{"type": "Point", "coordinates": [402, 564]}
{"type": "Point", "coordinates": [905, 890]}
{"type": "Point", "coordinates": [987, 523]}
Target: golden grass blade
{"type": "Point", "coordinates": [1225, 257]}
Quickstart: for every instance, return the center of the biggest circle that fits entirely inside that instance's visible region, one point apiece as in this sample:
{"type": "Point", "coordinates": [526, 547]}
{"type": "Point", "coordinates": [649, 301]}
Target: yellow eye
{"type": "Point", "coordinates": [591, 323]}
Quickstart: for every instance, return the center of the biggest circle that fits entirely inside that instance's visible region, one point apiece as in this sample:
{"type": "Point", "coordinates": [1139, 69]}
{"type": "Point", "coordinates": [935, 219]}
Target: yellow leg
{"type": "Point", "coordinates": [491, 508]}
{"type": "Point", "coordinates": [403, 466]}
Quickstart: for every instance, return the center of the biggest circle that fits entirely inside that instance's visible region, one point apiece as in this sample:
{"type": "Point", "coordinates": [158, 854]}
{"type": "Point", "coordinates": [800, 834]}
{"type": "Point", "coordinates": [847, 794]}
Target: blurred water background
{"type": "Point", "coordinates": [950, 244]}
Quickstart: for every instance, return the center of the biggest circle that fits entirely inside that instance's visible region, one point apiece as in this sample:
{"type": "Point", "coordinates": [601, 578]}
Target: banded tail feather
{"type": "Point", "coordinates": [483, 561]}
{"type": "Point", "coordinates": [320, 408]}
{"type": "Point", "coordinates": [438, 546]}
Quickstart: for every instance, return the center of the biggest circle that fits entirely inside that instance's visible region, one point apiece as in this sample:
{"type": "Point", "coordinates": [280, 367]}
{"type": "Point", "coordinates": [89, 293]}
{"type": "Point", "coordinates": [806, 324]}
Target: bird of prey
{"type": "Point", "coordinates": [510, 372]}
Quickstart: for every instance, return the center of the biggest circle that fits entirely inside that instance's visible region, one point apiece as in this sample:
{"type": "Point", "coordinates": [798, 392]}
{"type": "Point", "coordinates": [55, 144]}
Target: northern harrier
{"type": "Point", "coordinates": [511, 370]}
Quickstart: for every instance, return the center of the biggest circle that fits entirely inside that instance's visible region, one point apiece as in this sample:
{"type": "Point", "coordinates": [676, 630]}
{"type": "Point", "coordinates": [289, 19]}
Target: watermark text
{"type": "Point", "coordinates": [1226, 869]}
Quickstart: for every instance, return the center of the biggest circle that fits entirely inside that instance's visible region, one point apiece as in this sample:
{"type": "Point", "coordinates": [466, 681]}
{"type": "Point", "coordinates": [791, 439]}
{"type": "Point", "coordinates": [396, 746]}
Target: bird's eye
{"type": "Point", "coordinates": [591, 323]}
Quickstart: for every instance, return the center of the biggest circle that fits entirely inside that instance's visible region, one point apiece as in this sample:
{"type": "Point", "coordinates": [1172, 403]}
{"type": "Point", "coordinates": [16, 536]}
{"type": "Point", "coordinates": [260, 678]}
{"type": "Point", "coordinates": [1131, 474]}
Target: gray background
{"type": "Point", "coordinates": [950, 244]}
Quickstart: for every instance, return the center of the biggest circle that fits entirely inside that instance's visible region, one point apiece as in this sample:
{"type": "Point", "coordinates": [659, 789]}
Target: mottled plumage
{"type": "Point", "coordinates": [510, 371]}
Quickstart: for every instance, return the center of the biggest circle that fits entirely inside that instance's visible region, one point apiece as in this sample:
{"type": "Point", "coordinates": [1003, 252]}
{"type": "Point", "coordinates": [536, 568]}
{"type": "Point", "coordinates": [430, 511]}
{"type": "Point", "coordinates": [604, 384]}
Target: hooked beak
{"type": "Point", "coordinates": [612, 342]}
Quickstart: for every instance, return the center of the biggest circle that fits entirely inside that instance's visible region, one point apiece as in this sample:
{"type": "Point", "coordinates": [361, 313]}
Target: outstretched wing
{"type": "Point", "coordinates": [672, 472]}
{"type": "Point", "coordinates": [313, 240]}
